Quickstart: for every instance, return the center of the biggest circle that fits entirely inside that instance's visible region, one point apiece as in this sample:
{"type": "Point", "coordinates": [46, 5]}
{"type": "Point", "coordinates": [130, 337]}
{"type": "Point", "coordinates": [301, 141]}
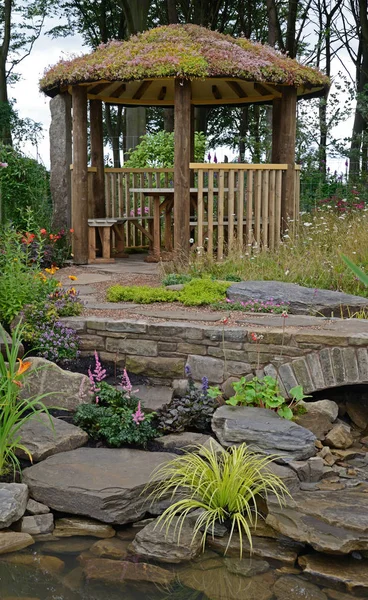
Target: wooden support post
{"type": "Point", "coordinates": [80, 173]}
{"type": "Point", "coordinates": [283, 147]}
{"type": "Point", "coordinates": [97, 160]}
{"type": "Point", "coordinates": [182, 120]}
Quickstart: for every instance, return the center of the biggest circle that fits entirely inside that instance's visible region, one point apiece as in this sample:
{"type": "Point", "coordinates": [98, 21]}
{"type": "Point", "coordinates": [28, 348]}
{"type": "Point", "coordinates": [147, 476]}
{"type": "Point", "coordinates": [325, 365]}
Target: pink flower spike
{"type": "Point", "coordinates": [138, 416]}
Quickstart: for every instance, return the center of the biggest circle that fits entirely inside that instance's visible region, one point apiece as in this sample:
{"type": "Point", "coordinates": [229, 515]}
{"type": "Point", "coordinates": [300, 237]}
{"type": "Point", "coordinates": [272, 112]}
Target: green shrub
{"type": "Point", "coordinates": [225, 486]}
{"type": "Point", "coordinates": [140, 294]}
{"type": "Point", "coordinates": [203, 291]}
{"type": "Point", "coordinates": [157, 150]}
{"type": "Point", "coordinates": [176, 278]}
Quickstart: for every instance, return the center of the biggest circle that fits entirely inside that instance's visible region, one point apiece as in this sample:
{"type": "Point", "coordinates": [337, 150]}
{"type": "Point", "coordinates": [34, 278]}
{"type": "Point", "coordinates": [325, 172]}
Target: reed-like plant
{"type": "Point", "coordinates": [227, 486]}
{"type": "Point", "coordinates": [14, 411]}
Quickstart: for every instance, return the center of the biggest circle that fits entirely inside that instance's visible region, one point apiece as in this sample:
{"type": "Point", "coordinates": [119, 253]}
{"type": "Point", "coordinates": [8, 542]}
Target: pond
{"type": "Point", "coordinates": [72, 569]}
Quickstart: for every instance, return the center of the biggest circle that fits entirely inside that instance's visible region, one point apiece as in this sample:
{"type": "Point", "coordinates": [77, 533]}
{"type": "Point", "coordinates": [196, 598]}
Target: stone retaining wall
{"type": "Point", "coordinates": [160, 351]}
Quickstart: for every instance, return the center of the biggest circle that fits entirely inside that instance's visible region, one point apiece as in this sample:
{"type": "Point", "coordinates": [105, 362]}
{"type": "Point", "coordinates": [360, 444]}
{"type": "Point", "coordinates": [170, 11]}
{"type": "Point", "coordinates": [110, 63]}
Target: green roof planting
{"type": "Point", "coordinates": [187, 51]}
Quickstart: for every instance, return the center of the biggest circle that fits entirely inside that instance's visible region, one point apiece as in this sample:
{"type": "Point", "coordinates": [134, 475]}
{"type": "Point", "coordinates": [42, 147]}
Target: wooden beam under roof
{"type": "Point", "coordinates": [216, 92]}
{"type": "Point", "coordinates": [162, 93]}
{"type": "Point", "coordinates": [261, 89]}
{"type": "Point", "coordinates": [237, 88]}
{"type": "Point", "coordinates": [142, 89]}
{"type": "Point", "coordinates": [119, 90]}
{"type": "Point", "coordinates": [97, 89]}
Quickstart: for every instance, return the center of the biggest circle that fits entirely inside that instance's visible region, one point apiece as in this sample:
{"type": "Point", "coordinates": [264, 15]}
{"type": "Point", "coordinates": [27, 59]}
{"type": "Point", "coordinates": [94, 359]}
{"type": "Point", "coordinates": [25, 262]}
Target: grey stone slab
{"type": "Point", "coordinates": [180, 315]}
{"type": "Point", "coordinates": [338, 365]}
{"type": "Point", "coordinates": [288, 376]}
{"type": "Point", "coordinates": [315, 368]}
{"type": "Point", "coordinates": [362, 354]}
{"type": "Point", "coordinates": [205, 366]}
{"type": "Point", "coordinates": [89, 278]}
{"type": "Point", "coordinates": [42, 438]}
{"type": "Point", "coordinates": [291, 321]}
{"type": "Point", "coordinates": [82, 289]}
{"type": "Point", "coordinates": [102, 483]}
{"type": "Point", "coordinates": [155, 397]}
{"type": "Point", "coordinates": [327, 368]}
{"type": "Point", "coordinates": [264, 431]}
{"type": "Point", "coordinates": [301, 300]}
{"type": "Point", "coordinates": [111, 305]}
{"type": "Point", "coordinates": [351, 364]}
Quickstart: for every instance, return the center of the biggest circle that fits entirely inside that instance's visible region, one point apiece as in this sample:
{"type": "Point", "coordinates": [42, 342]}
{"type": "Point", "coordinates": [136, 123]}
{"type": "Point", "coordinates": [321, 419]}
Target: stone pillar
{"type": "Point", "coordinates": [60, 160]}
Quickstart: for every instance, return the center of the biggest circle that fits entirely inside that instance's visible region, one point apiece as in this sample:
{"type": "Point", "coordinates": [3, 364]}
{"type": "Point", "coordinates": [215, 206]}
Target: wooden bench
{"type": "Point", "coordinates": [104, 228]}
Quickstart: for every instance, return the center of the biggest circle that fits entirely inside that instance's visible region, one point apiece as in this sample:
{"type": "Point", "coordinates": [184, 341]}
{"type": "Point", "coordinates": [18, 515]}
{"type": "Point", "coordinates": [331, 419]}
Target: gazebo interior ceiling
{"type": "Point", "coordinates": [211, 91]}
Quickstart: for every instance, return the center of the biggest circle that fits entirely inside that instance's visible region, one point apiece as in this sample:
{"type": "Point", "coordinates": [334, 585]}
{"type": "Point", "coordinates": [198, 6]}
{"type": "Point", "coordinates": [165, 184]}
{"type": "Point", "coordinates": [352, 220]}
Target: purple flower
{"type": "Point", "coordinates": [138, 416]}
{"type": "Point", "coordinates": [188, 372]}
{"type": "Point", "coordinates": [204, 384]}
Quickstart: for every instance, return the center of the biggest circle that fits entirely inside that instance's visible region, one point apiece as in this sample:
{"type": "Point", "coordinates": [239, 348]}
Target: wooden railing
{"type": "Point", "coordinates": [232, 206]}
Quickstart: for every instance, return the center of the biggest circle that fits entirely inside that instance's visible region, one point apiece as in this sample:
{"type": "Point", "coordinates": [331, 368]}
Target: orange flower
{"type": "Point", "coordinates": [23, 366]}
{"type": "Point", "coordinates": [51, 236]}
{"type": "Point", "coordinates": [72, 277]}
{"type": "Point", "coordinates": [71, 230]}
{"type": "Point", "coordinates": [43, 231]}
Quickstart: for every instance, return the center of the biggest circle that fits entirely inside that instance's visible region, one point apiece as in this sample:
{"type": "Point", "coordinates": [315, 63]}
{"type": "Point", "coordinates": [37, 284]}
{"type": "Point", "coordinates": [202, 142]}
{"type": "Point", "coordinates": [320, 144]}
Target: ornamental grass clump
{"type": "Point", "coordinates": [226, 486]}
{"type": "Point", "coordinates": [15, 411]}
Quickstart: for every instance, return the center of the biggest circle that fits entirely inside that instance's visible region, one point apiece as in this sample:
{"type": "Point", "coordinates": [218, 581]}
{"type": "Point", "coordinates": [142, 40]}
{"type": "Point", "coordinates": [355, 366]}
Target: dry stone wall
{"type": "Point", "coordinates": [160, 351]}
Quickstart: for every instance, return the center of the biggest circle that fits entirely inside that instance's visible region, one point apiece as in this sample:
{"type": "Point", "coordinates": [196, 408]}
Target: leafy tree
{"type": "Point", "coordinates": [157, 150]}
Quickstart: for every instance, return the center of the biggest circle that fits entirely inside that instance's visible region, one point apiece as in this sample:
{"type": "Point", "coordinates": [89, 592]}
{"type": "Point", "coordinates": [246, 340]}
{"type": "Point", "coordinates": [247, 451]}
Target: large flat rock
{"type": "Point", "coordinates": [103, 483]}
{"type": "Point", "coordinates": [63, 389]}
{"type": "Point", "coordinates": [330, 521]}
{"type": "Point", "coordinates": [337, 571]}
{"type": "Point", "coordinates": [43, 439]}
{"type": "Point", "coordinates": [301, 300]}
{"type": "Point", "coordinates": [264, 431]}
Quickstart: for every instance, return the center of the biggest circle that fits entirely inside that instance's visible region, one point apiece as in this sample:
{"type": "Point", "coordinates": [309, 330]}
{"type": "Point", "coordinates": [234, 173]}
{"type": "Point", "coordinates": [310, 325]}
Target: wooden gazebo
{"type": "Point", "coordinates": [185, 66]}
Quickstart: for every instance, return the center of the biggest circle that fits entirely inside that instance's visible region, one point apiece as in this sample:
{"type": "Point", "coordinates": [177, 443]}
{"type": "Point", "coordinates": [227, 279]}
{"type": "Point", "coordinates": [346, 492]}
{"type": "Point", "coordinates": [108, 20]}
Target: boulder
{"type": "Point", "coordinates": [321, 407]}
{"type": "Point", "coordinates": [36, 508]}
{"type": "Point", "coordinates": [339, 437]}
{"type": "Point", "coordinates": [330, 521]}
{"type": "Point", "coordinates": [264, 431]}
{"type": "Point", "coordinates": [37, 524]}
{"type": "Point", "coordinates": [282, 550]}
{"type": "Point", "coordinates": [337, 571]}
{"type": "Point", "coordinates": [67, 545]}
{"type": "Point", "coordinates": [246, 567]}
{"type": "Point", "coordinates": [115, 572]}
{"type": "Point", "coordinates": [293, 587]}
{"type": "Point", "coordinates": [70, 527]}
{"type": "Point", "coordinates": [358, 412]}
{"type": "Point", "coordinates": [172, 545]}
{"type": "Point", "coordinates": [43, 439]}
{"type": "Point", "coordinates": [103, 483]}
{"type": "Point", "coordinates": [186, 441]}
{"type": "Point", "coordinates": [310, 470]}
{"type": "Point", "coordinates": [43, 563]}
{"type": "Point", "coordinates": [301, 300]}
{"type": "Point", "coordinates": [319, 424]}
{"type": "Point", "coordinates": [111, 548]}
{"type": "Point", "coordinates": [11, 541]}
{"type": "Point", "coordinates": [13, 502]}
{"type": "Point", "coordinates": [64, 389]}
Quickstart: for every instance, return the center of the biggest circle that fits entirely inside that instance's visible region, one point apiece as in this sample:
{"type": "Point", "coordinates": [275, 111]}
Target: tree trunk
{"type": "Point", "coordinates": [5, 128]}
{"type": "Point", "coordinates": [114, 132]}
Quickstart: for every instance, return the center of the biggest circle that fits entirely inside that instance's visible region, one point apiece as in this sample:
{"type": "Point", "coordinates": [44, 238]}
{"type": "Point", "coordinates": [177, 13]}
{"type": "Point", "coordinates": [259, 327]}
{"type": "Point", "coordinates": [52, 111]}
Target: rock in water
{"type": "Point", "coordinates": [337, 571]}
{"type": "Point", "coordinates": [13, 502]}
{"type": "Point", "coordinates": [156, 542]}
{"type": "Point", "coordinates": [43, 440]}
{"type": "Point", "coordinates": [296, 588]}
{"type": "Point", "coordinates": [103, 483]}
{"type": "Point", "coordinates": [115, 572]}
{"type": "Point", "coordinates": [264, 431]}
{"type": "Point", "coordinates": [330, 521]}
{"type": "Point", "coordinates": [11, 541]}
{"type": "Point", "coordinates": [301, 300]}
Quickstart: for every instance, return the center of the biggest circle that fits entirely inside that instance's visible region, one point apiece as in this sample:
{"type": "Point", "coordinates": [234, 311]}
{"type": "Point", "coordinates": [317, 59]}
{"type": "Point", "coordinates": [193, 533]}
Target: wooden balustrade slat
{"type": "Point", "coordinates": [271, 210]}
{"type": "Point", "coordinates": [240, 209]}
{"type": "Point", "coordinates": [278, 208]}
{"type": "Point", "coordinates": [231, 208]}
{"type": "Point", "coordinates": [265, 192]}
{"type": "Point", "coordinates": [257, 209]}
{"type": "Point", "coordinates": [220, 215]}
{"type": "Point", "coordinates": [200, 210]}
{"type": "Point", "coordinates": [210, 214]}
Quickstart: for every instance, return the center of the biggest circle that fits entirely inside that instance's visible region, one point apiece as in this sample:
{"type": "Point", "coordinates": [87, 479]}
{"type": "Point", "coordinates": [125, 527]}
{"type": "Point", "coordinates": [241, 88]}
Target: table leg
{"type": "Point", "coordinates": [168, 237]}
{"type": "Point", "coordinates": [106, 242]}
{"type": "Point", "coordinates": [91, 243]}
{"type": "Point", "coordinates": [156, 227]}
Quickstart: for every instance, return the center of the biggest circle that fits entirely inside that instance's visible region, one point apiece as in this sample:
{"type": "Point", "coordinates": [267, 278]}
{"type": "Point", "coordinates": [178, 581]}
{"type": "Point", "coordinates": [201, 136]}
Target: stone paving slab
{"type": "Point", "coordinates": [300, 321]}
{"type": "Point", "coordinates": [95, 305]}
{"type": "Point", "coordinates": [179, 315]}
{"type": "Point", "coordinates": [90, 278]}
{"type": "Point", "coordinates": [81, 288]}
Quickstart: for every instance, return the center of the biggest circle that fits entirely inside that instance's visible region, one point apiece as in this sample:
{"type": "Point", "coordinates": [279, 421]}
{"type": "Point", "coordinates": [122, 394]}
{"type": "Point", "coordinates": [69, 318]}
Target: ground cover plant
{"type": "Point", "coordinates": [226, 487]}
{"type": "Point", "coordinates": [195, 292]}
{"type": "Point", "coordinates": [193, 411]}
{"type": "Point", "coordinates": [15, 411]}
{"type": "Point", "coordinates": [310, 256]}
{"type": "Point", "coordinates": [115, 417]}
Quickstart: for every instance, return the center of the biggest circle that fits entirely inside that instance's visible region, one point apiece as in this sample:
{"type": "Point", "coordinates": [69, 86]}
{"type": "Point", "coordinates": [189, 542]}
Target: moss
{"type": "Point", "coordinates": [203, 291]}
{"type": "Point", "coordinates": [189, 51]}
{"type": "Point", "coordinates": [140, 294]}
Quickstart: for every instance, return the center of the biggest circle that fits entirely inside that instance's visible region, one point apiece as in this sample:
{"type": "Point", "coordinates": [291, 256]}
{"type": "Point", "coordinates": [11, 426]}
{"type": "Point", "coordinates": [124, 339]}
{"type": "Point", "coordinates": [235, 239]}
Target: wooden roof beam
{"type": "Point", "coordinates": [142, 89]}
{"type": "Point", "coordinates": [237, 88]}
{"type": "Point", "coordinates": [216, 92]}
{"type": "Point", "coordinates": [97, 89]}
{"type": "Point", "coordinates": [119, 90]}
{"type": "Point", "coordinates": [162, 93]}
{"type": "Point", "coordinates": [261, 89]}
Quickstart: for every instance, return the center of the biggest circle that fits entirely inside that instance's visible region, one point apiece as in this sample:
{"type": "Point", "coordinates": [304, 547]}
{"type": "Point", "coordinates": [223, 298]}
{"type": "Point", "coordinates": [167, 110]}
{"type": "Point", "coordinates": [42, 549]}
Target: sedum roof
{"type": "Point", "coordinates": [188, 51]}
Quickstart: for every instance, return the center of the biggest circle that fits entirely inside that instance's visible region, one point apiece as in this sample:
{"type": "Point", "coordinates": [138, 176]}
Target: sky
{"type": "Point", "coordinates": [35, 105]}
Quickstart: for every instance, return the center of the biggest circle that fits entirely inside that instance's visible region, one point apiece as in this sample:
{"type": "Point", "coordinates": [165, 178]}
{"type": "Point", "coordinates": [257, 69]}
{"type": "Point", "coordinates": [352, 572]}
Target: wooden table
{"type": "Point", "coordinates": [104, 227]}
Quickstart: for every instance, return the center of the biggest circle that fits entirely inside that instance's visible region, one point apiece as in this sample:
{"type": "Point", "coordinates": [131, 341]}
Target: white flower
{"type": "Point", "coordinates": [286, 236]}
{"type": "Point", "coordinates": [287, 272]}
{"type": "Point", "coordinates": [191, 241]}
{"type": "Point", "coordinates": [307, 224]}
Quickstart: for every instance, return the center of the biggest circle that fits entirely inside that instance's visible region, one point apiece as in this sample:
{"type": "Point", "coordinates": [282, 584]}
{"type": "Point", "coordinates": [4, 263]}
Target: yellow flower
{"type": "Point", "coordinates": [72, 277]}
{"type": "Point", "coordinates": [59, 284]}
{"type": "Point", "coordinates": [72, 291]}
{"type": "Point", "coordinates": [52, 270]}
